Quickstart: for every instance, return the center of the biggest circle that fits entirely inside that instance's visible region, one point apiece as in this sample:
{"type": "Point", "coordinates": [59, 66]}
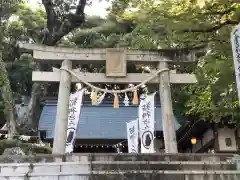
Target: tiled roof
{"type": "Point", "coordinates": [98, 122]}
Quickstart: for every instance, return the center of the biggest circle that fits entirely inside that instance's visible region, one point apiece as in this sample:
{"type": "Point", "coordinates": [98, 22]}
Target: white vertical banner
{"type": "Point", "coordinates": [147, 123]}
{"type": "Point", "coordinates": [132, 136]}
{"type": "Point", "coordinates": [235, 40]}
{"type": "Point", "coordinates": [75, 104]}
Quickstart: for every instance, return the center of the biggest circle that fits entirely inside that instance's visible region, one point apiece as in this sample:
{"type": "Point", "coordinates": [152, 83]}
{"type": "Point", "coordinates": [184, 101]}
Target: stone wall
{"type": "Point", "coordinates": [119, 167]}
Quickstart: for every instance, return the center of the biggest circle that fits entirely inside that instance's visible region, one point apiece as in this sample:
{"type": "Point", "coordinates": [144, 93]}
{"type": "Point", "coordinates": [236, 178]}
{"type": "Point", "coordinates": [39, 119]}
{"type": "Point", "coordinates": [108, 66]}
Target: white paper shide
{"type": "Point", "coordinates": [74, 110]}
{"type": "Point", "coordinates": [132, 136]}
{"type": "Point", "coordinates": [235, 40]}
{"type": "Point", "coordinates": [146, 124]}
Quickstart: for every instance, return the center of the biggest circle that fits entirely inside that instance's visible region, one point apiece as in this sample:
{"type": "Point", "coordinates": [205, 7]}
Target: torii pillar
{"type": "Point", "coordinates": [61, 123]}
{"type": "Point", "coordinates": [169, 132]}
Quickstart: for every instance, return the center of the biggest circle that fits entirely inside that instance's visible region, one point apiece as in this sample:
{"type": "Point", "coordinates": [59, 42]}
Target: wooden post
{"type": "Point", "coordinates": [169, 132]}
{"type": "Point", "coordinates": [60, 134]}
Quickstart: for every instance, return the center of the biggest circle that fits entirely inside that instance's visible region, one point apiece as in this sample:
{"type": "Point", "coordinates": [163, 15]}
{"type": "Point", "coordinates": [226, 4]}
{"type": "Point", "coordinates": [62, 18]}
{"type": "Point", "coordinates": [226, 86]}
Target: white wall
{"type": "Point", "coordinates": [224, 133]}
{"type": "Point", "coordinates": [45, 171]}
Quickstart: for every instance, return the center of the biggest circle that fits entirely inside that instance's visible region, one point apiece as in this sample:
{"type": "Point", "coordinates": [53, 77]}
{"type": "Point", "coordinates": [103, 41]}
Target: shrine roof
{"type": "Point", "coordinates": [99, 122]}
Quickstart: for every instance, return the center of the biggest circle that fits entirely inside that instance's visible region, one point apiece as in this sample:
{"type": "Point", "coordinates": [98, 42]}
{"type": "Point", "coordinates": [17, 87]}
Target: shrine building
{"type": "Point", "coordinates": [101, 128]}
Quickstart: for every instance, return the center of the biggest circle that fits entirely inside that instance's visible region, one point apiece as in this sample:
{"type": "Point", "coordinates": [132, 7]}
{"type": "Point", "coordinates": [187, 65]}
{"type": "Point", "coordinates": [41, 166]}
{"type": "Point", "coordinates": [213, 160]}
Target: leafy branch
{"type": "Point", "coordinates": [211, 29]}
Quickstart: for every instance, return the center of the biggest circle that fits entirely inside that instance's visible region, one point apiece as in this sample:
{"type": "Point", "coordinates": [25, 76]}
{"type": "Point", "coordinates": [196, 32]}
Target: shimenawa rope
{"type": "Point", "coordinates": [131, 89]}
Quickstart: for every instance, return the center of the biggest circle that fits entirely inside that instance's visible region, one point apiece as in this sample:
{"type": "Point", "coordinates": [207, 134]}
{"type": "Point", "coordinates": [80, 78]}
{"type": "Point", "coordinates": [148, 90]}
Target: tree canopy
{"type": "Point", "coordinates": [202, 26]}
{"type": "Point", "coordinates": [192, 24]}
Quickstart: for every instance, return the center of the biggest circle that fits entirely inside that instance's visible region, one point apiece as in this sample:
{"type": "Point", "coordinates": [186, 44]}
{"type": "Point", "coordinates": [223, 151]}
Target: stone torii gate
{"type": "Point", "coordinates": [116, 62]}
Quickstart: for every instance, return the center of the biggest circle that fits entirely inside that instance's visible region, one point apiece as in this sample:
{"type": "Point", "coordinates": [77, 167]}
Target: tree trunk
{"type": "Point", "coordinates": [32, 116]}
{"type": "Point", "coordinates": [8, 100]}
{"type": "Point", "coordinates": [34, 108]}
{"type": "Point", "coordinates": [10, 114]}
{"type": "Point", "coordinates": [55, 30]}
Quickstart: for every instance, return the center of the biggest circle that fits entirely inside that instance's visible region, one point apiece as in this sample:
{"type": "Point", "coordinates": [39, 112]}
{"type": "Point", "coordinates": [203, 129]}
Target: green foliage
{"type": "Point", "coordinates": [28, 148]}
{"type": "Point", "coordinates": [31, 21]}
{"type": "Point", "coordinates": [20, 74]}
{"type": "Point", "coordinates": [214, 97]}
{"type": "Point", "coordinates": [189, 24]}
{"type": "Point", "coordinates": [24, 27]}
{"type": "Point", "coordinates": [7, 7]}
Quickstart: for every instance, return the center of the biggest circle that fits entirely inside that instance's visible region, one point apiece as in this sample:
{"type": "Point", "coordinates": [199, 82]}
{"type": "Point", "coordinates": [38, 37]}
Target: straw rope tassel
{"type": "Point", "coordinates": [94, 97]}
{"type": "Point", "coordinates": [116, 101]}
{"type": "Point", "coordinates": [135, 97]}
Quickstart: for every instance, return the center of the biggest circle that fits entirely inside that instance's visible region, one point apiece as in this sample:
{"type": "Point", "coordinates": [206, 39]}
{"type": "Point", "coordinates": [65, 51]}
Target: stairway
{"type": "Point", "coordinates": [166, 167]}
{"type": "Point", "coordinates": [121, 167]}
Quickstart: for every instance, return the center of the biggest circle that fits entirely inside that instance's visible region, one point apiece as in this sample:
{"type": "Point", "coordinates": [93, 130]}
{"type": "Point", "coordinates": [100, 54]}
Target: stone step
{"type": "Point", "coordinates": [159, 157]}
{"type": "Point", "coordinates": [191, 163]}
{"type": "Point", "coordinates": [86, 171]}
{"type": "Point", "coordinates": [161, 165]}
{"type": "Point", "coordinates": [115, 157]}
{"type": "Point", "coordinates": [103, 166]}
{"type": "Point", "coordinates": [158, 162]}
{"type": "Point", "coordinates": [128, 175]}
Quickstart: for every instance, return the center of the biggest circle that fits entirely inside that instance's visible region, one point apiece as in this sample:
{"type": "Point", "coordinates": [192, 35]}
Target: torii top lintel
{"type": "Point", "coordinates": [49, 54]}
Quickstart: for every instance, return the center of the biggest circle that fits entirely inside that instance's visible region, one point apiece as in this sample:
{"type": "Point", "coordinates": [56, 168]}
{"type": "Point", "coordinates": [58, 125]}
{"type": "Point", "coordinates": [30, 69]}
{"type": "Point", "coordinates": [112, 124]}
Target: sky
{"type": "Point", "coordinates": [97, 8]}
